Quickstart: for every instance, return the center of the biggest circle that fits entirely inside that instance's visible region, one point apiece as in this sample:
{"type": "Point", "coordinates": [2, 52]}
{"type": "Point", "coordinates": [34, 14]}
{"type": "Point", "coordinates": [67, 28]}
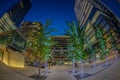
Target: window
{"type": "Point", "coordinates": [105, 24]}
{"type": "Point", "coordinates": [87, 27]}
{"type": "Point", "coordinates": [99, 19]}
{"type": "Point", "coordinates": [18, 42]}
{"type": "Point", "coordinates": [95, 17]}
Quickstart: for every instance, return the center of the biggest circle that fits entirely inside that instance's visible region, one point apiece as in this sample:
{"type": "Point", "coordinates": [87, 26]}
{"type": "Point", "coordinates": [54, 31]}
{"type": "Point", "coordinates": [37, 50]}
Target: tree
{"type": "Point", "coordinates": [91, 50]}
{"type": "Point", "coordinates": [42, 42]}
{"type": "Point", "coordinates": [102, 43]}
{"type": "Point", "coordinates": [77, 41]}
{"type": "Point", "coordinates": [47, 50]}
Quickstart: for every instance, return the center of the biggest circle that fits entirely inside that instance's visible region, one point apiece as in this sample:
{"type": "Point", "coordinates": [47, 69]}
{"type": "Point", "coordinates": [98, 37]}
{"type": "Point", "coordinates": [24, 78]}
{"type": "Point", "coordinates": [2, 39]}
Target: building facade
{"type": "Point", "coordinates": [13, 17]}
{"type": "Point", "coordinates": [60, 49]}
{"type": "Point", "coordinates": [10, 21]}
{"type": "Point", "coordinates": [18, 11]}
{"type": "Point", "coordinates": [93, 14]}
{"type": "Point", "coordinates": [28, 28]}
{"type": "Point", "coordinates": [12, 42]}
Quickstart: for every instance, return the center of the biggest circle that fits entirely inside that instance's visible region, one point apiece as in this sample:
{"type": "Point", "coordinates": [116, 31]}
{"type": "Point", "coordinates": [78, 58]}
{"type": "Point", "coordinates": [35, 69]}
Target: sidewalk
{"type": "Point", "coordinates": [111, 73]}
{"type": "Point", "coordinates": [31, 72]}
{"type": "Point", "coordinates": [27, 70]}
{"type": "Point", "coordinates": [61, 72]}
{"type": "Point", "coordinates": [55, 73]}
{"type": "Point", "coordinates": [99, 73]}
{"type": "Point", "coordinates": [6, 73]}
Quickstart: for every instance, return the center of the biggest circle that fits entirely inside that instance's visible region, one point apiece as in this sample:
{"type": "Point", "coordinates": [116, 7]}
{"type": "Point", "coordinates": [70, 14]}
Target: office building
{"type": "Point", "coordinates": [18, 11]}
{"type": "Point", "coordinates": [60, 49]}
{"type": "Point", "coordinates": [13, 17]}
{"type": "Point", "coordinates": [12, 42]}
{"type": "Point", "coordinates": [28, 28]}
{"type": "Point", "coordinates": [94, 13]}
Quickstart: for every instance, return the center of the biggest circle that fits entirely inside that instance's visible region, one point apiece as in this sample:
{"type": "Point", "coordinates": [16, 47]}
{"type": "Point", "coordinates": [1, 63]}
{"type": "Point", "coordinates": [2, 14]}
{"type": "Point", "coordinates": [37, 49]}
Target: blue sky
{"type": "Point", "coordinates": [114, 5]}
{"type": "Point", "coordinates": [58, 11]}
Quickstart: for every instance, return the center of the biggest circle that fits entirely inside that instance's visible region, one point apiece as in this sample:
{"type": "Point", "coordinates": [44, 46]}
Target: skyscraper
{"type": "Point", "coordinates": [10, 38]}
{"type": "Point", "coordinates": [94, 13]}
{"type": "Point", "coordinates": [18, 11]}
{"type": "Point", "coordinates": [13, 17]}
{"type": "Point", "coordinates": [85, 9]}
{"type": "Point", "coordinates": [11, 20]}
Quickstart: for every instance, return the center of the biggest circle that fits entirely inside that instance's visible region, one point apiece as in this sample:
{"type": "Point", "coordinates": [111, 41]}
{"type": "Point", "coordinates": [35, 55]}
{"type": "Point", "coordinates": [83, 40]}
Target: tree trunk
{"type": "Point", "coordinates": [81, 68]}
{"type": "Point", "coordinates": [73, 66]}
{"type": "Point", "coordinates": [93, 60]}
{"type": "Point", "coordinates": [46, 66]}
{"type": "Point", "coordinates": [106, 62]}
{"type": "Point", "coordinates": [49, 65]}
{"type": "Point", "coordinates": [39, 70]}
{"type": "Point", "coordinates": [115, 54]}
{"type": "Point", "coordinates": [94, 65]}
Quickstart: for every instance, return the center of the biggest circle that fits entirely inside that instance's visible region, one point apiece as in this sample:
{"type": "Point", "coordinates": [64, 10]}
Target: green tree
{"type": "Point", "coordinates": [77, 41]}
{"type": "Point", "coordinates": [102, 43]}
{"type": "Point", "coordinates": [42, 43]}
{"type": "Point", "coordinates": [91, 50]}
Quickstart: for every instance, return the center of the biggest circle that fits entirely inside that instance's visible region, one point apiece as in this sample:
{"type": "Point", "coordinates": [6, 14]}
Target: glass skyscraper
{"type": "Point", "coordinates": [10, 22]}
{"type": "Point", "coordinates": [13, 17]}
{"type": "Point", "coordinates": [94, 13]}
{"type": "Point", "coordinates": [18, 11]}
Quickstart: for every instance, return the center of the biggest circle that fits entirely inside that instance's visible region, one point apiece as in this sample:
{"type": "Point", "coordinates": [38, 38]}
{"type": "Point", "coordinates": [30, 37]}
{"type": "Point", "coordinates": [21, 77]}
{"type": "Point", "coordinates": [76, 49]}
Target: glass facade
{"type": "Point", "coordinates": [6, 24]}
{"type": "Point", "coordinates": [109, 33]}
{"type": "Point", "coordinates": [18, 11]}
{"type": "Point", "coordinates": [13, 39]}
{"type": "Point", "coordinates": [100, 17]}
{"type": "Point", "coordinates": [18, 42]}
{"type": "Point", "coordinates": [10, 22]}
{"type": "Point", "coordinates": [6, 39]}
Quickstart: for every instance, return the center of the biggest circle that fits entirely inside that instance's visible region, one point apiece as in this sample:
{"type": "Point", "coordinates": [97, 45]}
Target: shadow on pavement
{"type": "Point", "coordinates": [82, 76]}
{"type": "Point", "coordinates": [76, 71]}
{"type": "Point", "coordinates": [36, 77]}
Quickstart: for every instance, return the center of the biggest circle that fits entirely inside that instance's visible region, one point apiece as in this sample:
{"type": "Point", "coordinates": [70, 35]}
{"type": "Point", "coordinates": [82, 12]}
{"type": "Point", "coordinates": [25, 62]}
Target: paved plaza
{"type": "Point", "coordinates": [6, 73]}
{"type": "Point", "coordinates": [62, 72]}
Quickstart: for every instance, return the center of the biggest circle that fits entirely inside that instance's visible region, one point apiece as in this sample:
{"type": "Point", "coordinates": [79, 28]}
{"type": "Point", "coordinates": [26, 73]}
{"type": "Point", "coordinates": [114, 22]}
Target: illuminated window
{"type": "Point", "coordinates": [95, 17]}
{"type": "Point", "coordinates": [92, 39]}
{"type": "Point", "coordinates": [87, 27]}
